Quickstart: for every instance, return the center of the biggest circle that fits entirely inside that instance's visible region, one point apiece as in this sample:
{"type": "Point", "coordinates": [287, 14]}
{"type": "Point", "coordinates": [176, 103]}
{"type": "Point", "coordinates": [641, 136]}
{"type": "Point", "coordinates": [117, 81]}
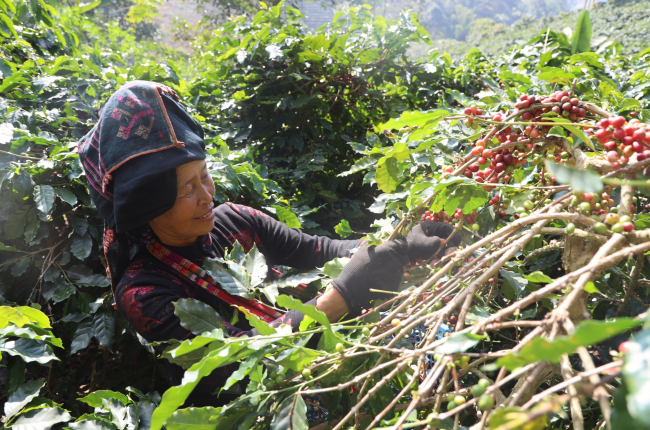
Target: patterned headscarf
{"type": "Point", "coordinates": [130, 159]}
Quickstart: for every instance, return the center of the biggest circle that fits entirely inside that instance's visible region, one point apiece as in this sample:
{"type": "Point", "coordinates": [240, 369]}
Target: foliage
{"type": "Point", "coordinates": [621, 27]}
{"type": "Point", "coordinates": [366, 129]}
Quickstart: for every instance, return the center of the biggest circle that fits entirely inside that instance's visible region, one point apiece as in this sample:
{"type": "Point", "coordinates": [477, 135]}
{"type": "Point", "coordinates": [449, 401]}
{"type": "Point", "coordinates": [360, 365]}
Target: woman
{"type": "Point", "coordinates": [145, 165]}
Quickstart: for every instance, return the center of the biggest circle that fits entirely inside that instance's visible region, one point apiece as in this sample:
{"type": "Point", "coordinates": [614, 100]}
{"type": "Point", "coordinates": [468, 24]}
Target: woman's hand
{"type": "Point", "coordinates": [372, 267]}
{"type": "Point", "coordinates": [425, 238]}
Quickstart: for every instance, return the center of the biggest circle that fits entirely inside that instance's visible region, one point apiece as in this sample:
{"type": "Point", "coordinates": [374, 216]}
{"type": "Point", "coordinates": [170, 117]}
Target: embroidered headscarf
{"type": "Point", "coordinates": [130, 159]}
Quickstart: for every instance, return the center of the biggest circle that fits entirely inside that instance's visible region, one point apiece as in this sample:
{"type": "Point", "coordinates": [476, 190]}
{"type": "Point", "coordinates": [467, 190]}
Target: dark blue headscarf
{"type": "Point", "coordinates": [130, 156]}
{"type": "Point", "coordinates": [130, 159]}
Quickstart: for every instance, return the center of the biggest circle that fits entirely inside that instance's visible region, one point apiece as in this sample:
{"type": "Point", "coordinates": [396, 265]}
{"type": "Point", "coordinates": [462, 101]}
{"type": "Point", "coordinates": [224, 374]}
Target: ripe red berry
{"type": "Point", "coordinates": [619, 133]}
{"type": "Point", "coordinates": [447, 299]}
{"type": "Point", "coordinates": [624, 346]}
{"type": "Point", "coordinates": [628, 226]}
{"type": "Point", "coordinates": [639, 135]}
{"type": "Point", "coordinates": [491, 280]}
{"type": "Point", "coordinates": [618, 122]}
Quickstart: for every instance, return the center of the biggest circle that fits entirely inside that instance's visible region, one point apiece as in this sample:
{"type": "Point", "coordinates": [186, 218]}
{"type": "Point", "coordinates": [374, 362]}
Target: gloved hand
{"type": "Point", "coordinates": [424, 239]}
{"type": "Point", "coordinates": [377, 267]}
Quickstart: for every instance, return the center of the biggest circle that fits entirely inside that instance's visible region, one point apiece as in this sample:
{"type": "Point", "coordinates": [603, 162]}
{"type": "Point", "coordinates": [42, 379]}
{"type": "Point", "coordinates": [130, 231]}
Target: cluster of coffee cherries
{"type": "Point", "coordinates": [601, 208]}
{"type": "Point", "coordinates": [565, 105]}
{"type": "Point", "coordinates": [458, 215]}
{"type": "Point", "coordinates": [472, 112]}
{"type": "Point", "coordinates": [622, 140]}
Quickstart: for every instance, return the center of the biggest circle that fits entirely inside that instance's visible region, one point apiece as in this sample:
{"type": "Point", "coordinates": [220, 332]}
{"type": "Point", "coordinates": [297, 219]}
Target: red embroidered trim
{"type": "Point", "coordinates": [201, 278]}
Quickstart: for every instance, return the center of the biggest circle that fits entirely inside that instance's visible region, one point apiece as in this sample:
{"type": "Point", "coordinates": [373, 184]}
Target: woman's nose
{"type": "Point", "coordinates": [206, 193]}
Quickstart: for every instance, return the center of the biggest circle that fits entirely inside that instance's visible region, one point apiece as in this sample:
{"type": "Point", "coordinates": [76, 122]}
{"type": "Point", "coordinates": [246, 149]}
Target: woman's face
{"type": "Point", "coordinates": [192, 215]}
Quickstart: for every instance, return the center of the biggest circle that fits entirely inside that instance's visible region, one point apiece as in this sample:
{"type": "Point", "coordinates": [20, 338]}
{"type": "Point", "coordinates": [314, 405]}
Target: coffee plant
{"type": "Point", "coordinates": [538, 156]}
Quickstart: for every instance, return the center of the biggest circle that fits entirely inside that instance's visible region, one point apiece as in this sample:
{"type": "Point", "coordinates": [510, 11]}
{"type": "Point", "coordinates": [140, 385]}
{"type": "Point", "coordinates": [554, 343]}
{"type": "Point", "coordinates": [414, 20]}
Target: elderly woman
{"type": "Point", "coordinates": [147, 175]}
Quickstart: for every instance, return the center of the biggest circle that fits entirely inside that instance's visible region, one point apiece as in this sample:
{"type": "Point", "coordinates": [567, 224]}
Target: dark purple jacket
{"type": "Point", "coordinates": [148, 288]}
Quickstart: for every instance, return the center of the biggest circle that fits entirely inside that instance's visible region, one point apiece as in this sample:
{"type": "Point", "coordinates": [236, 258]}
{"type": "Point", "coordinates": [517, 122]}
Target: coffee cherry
{"type": "Point", "coordinates": [570, 228]}
{"type": "Point", "coordinates": [624, 346]}
{"type": "Point", "coordinates": [395, 322]}
{"type": "Point", "coordinates": [451, 405]}
{"type": "Point", "coordinates": [279, 379]}
{"type": "Point", "coordinates": [484, 382]}
{"type": "Point", "coordinates": [459, 400]}
{"type": "Point", "coordinates": [306, 373]}
{"type": "Point", "coordinates": [365, 331]}
{"type": "Point", "coordinates": [477, 390]}
{"type": "Point", "coordinates": [611, 218]}
{"type": "Point", "coordinates": [340, 348]}
{"type": "Point", "coordinates": [585, 207]}
{"type": "Point", "coordinates": [600, 228]}
{"type": "Point", "coordinates": [628, 226]}
{"type": "Point", "coordinates": [618, 228]}
{"type": "Point", "coordinates": [437, 305]}
{"type": "Point", "coordinates": [485, 402]}
{"type": "Point", "coordinates": [475, 227]}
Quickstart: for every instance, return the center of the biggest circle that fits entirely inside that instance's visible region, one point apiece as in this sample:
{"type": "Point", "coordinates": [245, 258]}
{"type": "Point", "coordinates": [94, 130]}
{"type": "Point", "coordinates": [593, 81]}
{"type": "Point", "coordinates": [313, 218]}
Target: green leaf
{"type": "Point", "coordinates": [233, 278]}
{"type": "Point", "coordinates": [94, 399]}
{"type": "Point", "coordinates": [6, 132]}
{"type": "Point", "coordinates": [257, 323]}
{"type": "Point", "coordinates": [343, 229]}
{"type": "Point", "coordinates": [585, 180]}
{"type": "Point", "coordinates": [478, 313]}
{"type": "Point", "coordinates": [92, 424]}
{"type": "Point", "coordinates": [104, 328]}
{"type": "Point", "coordinates": [35, 316]}
{"type": "Point", "coordinates": [538, 278]}
{"type": "Point", "coordinates": [464, 196]}
{"type": "Point", "coordinates": [174, 397]}
{"type": "Point", "coordinates": [255, 264]}
{"type": "Point", "coordinates": [516, 282]}
{"type": "Point", "coordinates": [581, 40]}
{"type": "Point", "coordinates": [333, 268]}
{"type": "Point", "coordinates": [459, 342]}
{"type": "Point", "coordinates": [590, 288]}
{"type": "Point", "coordinates": [556, 131]}
{"type": "Point", "coordinates": [576, 131]}
{"type": "Point", "coordinates": [89, 6]}
{"type": "Point", "coordinates": [197, 316]}
{"type": "Point", "coordinates": [508, 75]}
{"type": "Point", "coordinates": [386, 174]}
{"type": "Point", "coordinates": [329, 196]}
{"type": "Point", "coordinates": [41, 419]}
{"type": "Point", "coordinates": [587, 332]}
{"type": "Point", "coordinates": [23, 395]}
{"type": "Point", "coordinates": [636, 377]}
{"type": "Point", "coordinates": [513, 418]}
{"type": "Point", "coordinates": [297, 279]}
{"type": "Point", "coordinates": [44, 198]}
{"type": "Point", "coordinates": [291, 303]}
{"type": "Point", "coordinates": [286, 216]}
{"type": "Point", "coordinates": [193, 419]}
{"type": "Point", "coordinates": [82, 336]}
{"type": "Point", "coordinates": [9, 315]}
{"type": "Point", "coordinates": [245, 368]}
{"type": "Point", "coordinates": [291, 414]}
{"type": "Point", "coordinates": [555, 74]}
{"type": "Point", "coordinates": [81, 246]}
{"type": "Point", "coordinates": [66, 195]}
{"type": "Point", "coordinates": [29, 350]}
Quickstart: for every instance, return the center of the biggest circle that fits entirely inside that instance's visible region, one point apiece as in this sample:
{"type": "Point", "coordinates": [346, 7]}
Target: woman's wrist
{"type": "Point", "coordinates": [333, 305]}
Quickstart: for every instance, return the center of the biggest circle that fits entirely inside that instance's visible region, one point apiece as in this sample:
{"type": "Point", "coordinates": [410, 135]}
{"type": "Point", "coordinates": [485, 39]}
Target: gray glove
{"type": "Point", "coordinates": [424, 239]}
{"type": "Point", "coordinates": [377, 267]}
